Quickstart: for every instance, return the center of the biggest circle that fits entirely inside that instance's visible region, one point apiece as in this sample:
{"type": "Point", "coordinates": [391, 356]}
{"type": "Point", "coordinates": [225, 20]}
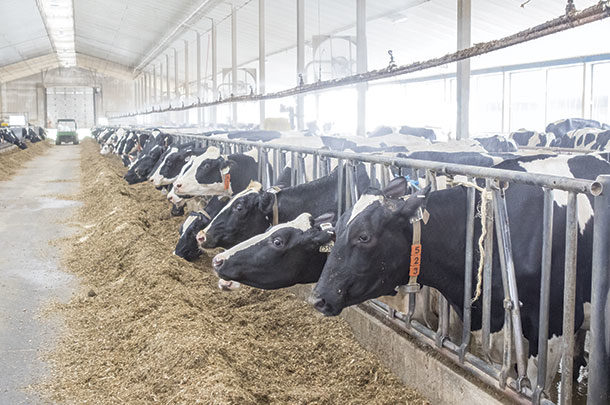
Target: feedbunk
{"type": "Point", "coordinates": [496, 181]}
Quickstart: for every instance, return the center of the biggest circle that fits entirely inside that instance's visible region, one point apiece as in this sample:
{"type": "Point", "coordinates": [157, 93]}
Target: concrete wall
{"type": "Point", "coordinates": [28, 95]}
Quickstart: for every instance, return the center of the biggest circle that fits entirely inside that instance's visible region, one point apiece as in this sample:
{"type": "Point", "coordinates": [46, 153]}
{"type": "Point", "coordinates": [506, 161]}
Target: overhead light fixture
{"type": "Point", "coordinates": [58, 16]}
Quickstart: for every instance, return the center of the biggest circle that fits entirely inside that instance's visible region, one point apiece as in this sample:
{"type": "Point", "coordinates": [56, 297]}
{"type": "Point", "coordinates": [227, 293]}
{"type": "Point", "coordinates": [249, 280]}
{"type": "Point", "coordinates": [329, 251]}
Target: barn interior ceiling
{"type": "Point", "coordinates": [122, 37]}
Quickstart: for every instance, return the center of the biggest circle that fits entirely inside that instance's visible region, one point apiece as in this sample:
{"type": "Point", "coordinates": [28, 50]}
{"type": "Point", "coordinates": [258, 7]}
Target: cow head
{"type": "Point", "coordinates": [247, 214]}
{"type": "Point", "coordinates": [285, 255]}
{"type": "Point", "coordinates": [187, 182]}
{"type": "Point", "coordinates": [143, 167]}
{"type": "Point", "coordinates": [187, 247]}
{"type": "Point", "coordinates": [371, 252]}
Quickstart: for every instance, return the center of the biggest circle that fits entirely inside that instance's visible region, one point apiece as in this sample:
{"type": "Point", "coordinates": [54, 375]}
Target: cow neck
{"type": "Point", "coordinates": [442, 250]}
{"type": "Point", "coordinates": [316, 197]}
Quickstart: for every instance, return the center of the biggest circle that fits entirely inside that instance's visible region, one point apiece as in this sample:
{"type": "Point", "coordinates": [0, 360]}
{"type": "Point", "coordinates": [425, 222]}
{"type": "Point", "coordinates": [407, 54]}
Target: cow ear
{"type": "Point", "coordinates": [396, 188]}
{"type": "Point", "coordinates": [415, 201]}
{"type": "Point", "coordinates": [224, 163]}
{"type": "Point", "coordinates": [265, 202]}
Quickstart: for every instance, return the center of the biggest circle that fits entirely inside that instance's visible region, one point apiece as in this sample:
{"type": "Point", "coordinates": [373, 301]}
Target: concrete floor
{"type": "Point", "coordinates": [30, 276]}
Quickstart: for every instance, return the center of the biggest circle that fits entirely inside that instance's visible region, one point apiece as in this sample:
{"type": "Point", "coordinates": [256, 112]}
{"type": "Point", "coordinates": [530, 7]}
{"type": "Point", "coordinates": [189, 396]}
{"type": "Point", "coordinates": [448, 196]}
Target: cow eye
{"type": "Point", "coordinates": [278, 242]}
{"type": "Point", "coordinates": [239, 207]}
{"type": "Point", "coordinates": [364, 238]}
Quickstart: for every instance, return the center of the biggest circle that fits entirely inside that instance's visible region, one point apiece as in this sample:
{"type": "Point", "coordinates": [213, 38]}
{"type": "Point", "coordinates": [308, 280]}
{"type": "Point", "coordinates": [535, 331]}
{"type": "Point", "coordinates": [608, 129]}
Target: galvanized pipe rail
{"type": "Point", "coordinates": [496, 181]}
{"type": "Point", "coordinates": [555, 182]}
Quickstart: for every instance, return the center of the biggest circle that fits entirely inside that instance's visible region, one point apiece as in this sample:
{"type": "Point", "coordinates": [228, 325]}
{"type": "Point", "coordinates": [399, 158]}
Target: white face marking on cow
{"type": "Point", "coordinates": [302, 222]}
{"type": "Point", "coordinates": [187, 180]}
{"type": "Point", "coordinates": [174, 199]}
{"type": "Point", "coordinates": [157, 179]}
{"type": "Point", "coordinates": [187, 223]}
{"type": "Point", "coordinates": [362, 203]}
{"type": "Point", "coordinates": [558, 166]}
{"type": "Point", "coordinates": [254, 187]}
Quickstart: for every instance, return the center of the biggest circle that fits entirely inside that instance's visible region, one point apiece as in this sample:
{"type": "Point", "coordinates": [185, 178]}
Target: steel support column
{"type": "Point", "coordinates": [160, 83]}
{"type": "Point", "coordinates": [300, 62]}
{"type": "Point", "coordinates": [186, 69]}
{"type": "Point", "coordinates": [199, 110]}
{"type": "Point", "coordinates": [154, 83]}
{"type": "Point", "coordinates": [214, 74]}
{"type": "Point", "coordinates": [234, 60]}
{"type": "Point", "coordinates": [136, 94]}
{"type": "Point", "coordinates": [361, 64]}
{"type": "Point", "coordinates": [176, 82]}
{"type": "Point", "coordinates": [463, 70]}
{"type": "Point", "coordinates": [261, 58]}
{"type": "Point", "coordinates": [167, 90]}
{"type": "Point", "coordinates": [599, 353]}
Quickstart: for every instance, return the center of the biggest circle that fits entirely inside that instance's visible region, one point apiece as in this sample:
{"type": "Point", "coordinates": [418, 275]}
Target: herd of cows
{"type": "Point", "coordinates": [291, 234]}
{"type": "Point", "coordinates": [19, 135]}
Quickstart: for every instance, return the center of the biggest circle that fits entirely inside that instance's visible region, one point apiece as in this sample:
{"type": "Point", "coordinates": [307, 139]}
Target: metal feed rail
{"type": "Point", "coordinates": [496, 181]}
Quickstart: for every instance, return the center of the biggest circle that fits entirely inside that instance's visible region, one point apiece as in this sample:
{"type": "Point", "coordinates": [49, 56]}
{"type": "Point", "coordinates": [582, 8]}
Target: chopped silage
{"type": "Point", "coordinates": [150, 327]}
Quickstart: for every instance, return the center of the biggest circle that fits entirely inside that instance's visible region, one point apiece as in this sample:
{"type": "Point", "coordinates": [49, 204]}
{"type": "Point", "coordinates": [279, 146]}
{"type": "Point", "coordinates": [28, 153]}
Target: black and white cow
{"type": "Point", "coordinates": [497, 144]}
{"type": "Point", "coordinates": [187, 246]}
{"type": "Point", "coordinates": [6, 135]}
{"type": "Point", "coordinates": [523, 137]}
{"type": "Point", "coordinates": [369, 258]}
{"type": "Point", "coordinates": [591, 138]}
{"type": "Point", "coordinates": [148, 158]}
{"type": "Point", "coordinates": [562, 127]}
{"type": "Point", "coordinates": [214, 174]}
{"type": "Point", "coordinates": [285, 255]}
{"type": "Point", "coordinates": [250, 212]}
{"type": "Point", "coordinates": [172, 162]}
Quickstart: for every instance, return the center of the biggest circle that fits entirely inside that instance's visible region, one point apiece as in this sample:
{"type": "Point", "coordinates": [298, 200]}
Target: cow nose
{"type": "Point", "coordinates": [319, 304]}
{"type": "Point", "coordinates": [201, 237]}
{"type": "Point", "coordinates": [217, 263]}
{"type": "Point", "coordinates": [178, 185]}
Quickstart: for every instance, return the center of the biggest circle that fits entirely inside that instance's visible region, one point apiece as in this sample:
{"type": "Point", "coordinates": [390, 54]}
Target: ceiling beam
{"type": "Point", "coordinates": [176, 32]}
{"type": "Point", "coordinates": [33, 66]}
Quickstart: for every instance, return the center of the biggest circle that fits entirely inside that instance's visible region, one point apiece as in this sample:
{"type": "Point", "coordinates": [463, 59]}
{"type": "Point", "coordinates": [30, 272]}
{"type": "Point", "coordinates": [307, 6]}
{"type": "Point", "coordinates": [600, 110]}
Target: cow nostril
{"type": "Point", "coordinates": [217, 262]}
{"type": "Point", "coordinates": [178, 185]}
{"type": "Point", "coordinates": [201, 237]}
{"type": "Point", "coordinates": [319, 304]}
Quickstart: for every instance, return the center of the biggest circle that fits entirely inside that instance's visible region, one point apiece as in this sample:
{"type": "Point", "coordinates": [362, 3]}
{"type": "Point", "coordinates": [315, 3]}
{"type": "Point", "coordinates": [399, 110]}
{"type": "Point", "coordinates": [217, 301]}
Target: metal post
{"type": "Point", "coordinates": [599, 352]}
{"type": "Point", "coordinates": [176, 83]}
{"type": "Point", "coordinates": [199, 88]}
{"type": "Point", "coordinates": [135, 95]}
{"type": "Point", "coordinates": [569, 298]}
{"type": "Point", "coordinates": [214, 75]}
{"type": "Point", "coordinates": [234, 59]}
{"type": "Point", "coordinates": [487, 269]}
{"type": "Point", "coordinates": [361, 63]}
{"type": "Point", "coordinates": [545, 293]}
{"type": "Point", "coordinates": [261, 58]}
{"type": "Point", "coordinates": [154, 83]}
{"type": "Point", "coordinates": [340, 166]}
{"type": "Point", "coordinates": [509, 280]}
{"type": "Point", "coordinates": [160, 82]}
{"type": "Point", "coordinates": [186, 69]}
{"type": "Point", "coordinates": [167, 91]}
{"type": "Point", "coordinates": [463, 70]}
{"type": "Point", "coordinates": [469, 253]}
{"type": "Point", "coordinates": [300, 110]}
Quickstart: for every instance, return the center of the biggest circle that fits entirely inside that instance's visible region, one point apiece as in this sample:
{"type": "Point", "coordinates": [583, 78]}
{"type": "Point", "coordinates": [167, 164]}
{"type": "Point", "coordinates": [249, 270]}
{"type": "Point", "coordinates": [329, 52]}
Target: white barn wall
{"type": "Point", "coordinates": [27, 95]}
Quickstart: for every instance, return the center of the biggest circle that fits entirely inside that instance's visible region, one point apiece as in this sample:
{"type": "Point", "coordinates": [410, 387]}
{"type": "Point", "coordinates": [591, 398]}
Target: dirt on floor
{"type": "Point", "coordinates": [12, 160]}
{"type": "Point", "coordinates": [151, 327]}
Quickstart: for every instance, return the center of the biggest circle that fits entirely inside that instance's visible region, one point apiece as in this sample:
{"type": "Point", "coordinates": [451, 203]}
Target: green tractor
{"type": "Point", "coordinates": [66, 131]}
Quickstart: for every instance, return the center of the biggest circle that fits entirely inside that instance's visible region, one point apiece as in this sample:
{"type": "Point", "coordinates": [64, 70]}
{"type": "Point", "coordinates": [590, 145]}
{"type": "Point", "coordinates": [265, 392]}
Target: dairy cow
{"type": "Point", "coordinates": [523, 137]}
{"type": "Point", "coordinates": [187, 247]}
{"type": "Point", "coordinates": [253, 210]}
{"type": "Point", "coordinates": [369, 258]}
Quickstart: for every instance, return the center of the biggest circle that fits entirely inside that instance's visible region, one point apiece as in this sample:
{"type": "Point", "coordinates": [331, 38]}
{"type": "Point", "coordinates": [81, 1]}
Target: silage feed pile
{"type": "Point", "coordinates": [149, 327]}
{"type": "Point", "coordinates": [12, 160]}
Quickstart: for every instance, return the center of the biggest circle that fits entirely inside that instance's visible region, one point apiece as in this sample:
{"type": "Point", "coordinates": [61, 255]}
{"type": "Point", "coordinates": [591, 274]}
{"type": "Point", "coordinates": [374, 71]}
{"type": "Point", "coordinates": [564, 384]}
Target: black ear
{"type": "Point", "coordinates": [324, 218]}
{"type": "Point", "coordinates": [415, 201]}
{"type": "Point", "coordinates": [224, 163]}
{"type": "Point", "coordinates": [396, 188]}
{"type": "Point", "coordinates": [265, 202]}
